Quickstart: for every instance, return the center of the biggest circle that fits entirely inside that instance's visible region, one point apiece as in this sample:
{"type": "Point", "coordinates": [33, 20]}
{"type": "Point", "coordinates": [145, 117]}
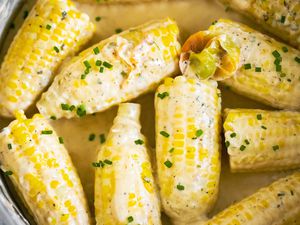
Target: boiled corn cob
{"type": "Point", "coordinates": [281, 18]}
{"type": "Point", "coordinates": [52, 31]}
{"type": "Point", "coordinates": [259, 140]}
{"type": "Point", "coordinates": [187, 147]}
{"type": "Point", "coordinates": [277, 204]}
{"type": "Point", "coordinates": [124, 188]}
{"type": "Point", "coordinates": [113, 71]}
{"type": "Point", "coordinates": [247, 61]}
{"type": "Point", "coordinates": [32, 155]}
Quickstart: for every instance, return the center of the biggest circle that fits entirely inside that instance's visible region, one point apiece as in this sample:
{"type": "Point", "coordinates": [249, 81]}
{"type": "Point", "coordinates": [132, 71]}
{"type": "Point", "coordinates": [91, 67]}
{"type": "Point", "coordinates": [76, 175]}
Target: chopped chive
{"type": "Point", "coordinates": [263, 127]}
{"type": "Point", "coordinates": [101, 69]}
{"type": "Point", "coordinates": [64, 106]}
{"type": "Point", "coordinates": [96, 51]}
{"type": "Point", "coordinates": [276, 54]}
{"type": "Point", "coordinates": [163, 95]}
{"type": "Point", "coordinates": [48, 27]}
{"type": "Point", "coordinates": [56, 49]}
{"type": "Point", "coordinates": [25, 14]}
{"type": "Point", "coordinates": [171, 150]}
{"type": "Point", "coordinates": [123, 73]}
{"type": "Point", "coordinates": [233, 135]}
{"type": "Point", "coordinates": [247, 66]}
{"type": "Point", "coordinates": [64, 15]}
{"type": "Point", "coordinates": [9, 146]}
{"type": "Point", "coordinates": [92, 137]}
{"type": "Point", "coordinates": [102, 138]}
{"type": "Point", "coordinates": [98, 63]}
{"type": "Point", "coordinates": [285, 49]}
{"type": "Point", "coordinates": [297, 59]}
{"type": "Point", "coordinates": [97, 18]}
{"type": "Point", "coordinates": [275, 147]}
{"type": "Point", "coordinates": [259, 116]}
{"type": "Point", "coordinates": [118, 30]}
{"type": "Point", "coordinates": [282, 19]}
{"type": "Point", "coordinates": [53, 117]}
{"type": "Point", "coordinates": [8, 173]}
{"type": "Point", "coordinates": [227, 144]}
{"type": "Point", "coordinates": [130, 219]}
{"type": "Point", "coordinates": [278, 68]}
{"type": "Point", "coordinates": [61, 140]}
{"type": "Point", "coordinates": [257, 69]}
{"type": "Point", "coordinates": [87, 64]}
{"type": "Point", "coordinates": [164, 133]}
{"type": "Point", "coordinates": [47, 132]}
{"type": "Point", "coordinates": [139, 142]}
{"type": "Point", "coordinates": [168, 164]}
{"type": "Point", "coordinates": [214, 22]}
{"type": "Point", "coordinates": [247, 142]}
{"type": "Point", "coordinates": [242, 147]}
{"type": "Point", "coordinates": [107, 65]}
{"type": "Point", "coordinates": [98, 164]}
{"type": "Point", "coordinates": [81, 111]}
{"type": "Point", "coordinates": [72, 107]}
{"type": "Point", "coordinates": [180, 187]}
{"type": "Point", "coordinates": [199, 133]}
{"type": "Point", "coordinates": [83, 76]}
{"type": "Point", "coordinates": [282, 75]}
{"type": "Point", "coordinates": [108, 162]}
{"type": "Point", "coordinates": [277, 61]}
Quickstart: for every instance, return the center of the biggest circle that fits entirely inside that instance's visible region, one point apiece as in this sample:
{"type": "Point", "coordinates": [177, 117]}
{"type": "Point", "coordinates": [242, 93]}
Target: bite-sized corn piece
{"type": "Point", "coordinates": [36, 161]}
{"type": "Point", "coordinates": [52, 31]}
{"type": "Point", "coordinates": [115, 70]}
{"type": "Point", "coordinates": [259, 140]}
{"type": "Point", "coordinates": [277, 204]}
{"type": "Point", "coordinates": [125, 192]}
{"type": "Point", "coordinates": [279, 17]}
{"type": "Point", "coordinates": [188, 115]}
{"type": "Point", "coordinates": [249, 62]}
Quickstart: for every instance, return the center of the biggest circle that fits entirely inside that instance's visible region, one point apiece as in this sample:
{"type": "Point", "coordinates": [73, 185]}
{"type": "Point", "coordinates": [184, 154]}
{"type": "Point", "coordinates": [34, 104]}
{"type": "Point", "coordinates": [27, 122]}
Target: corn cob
{"type": "Point", "coordinates": [124, 187]}
{"type": "Point", "coordinates": [52, 31]}
{"type": "Point", "coordinates": [115, 70]}
{"type": "Point", "coordinates": [281, 18]}
{"type": "Point", "coordinates": [277, 204]}
{"type": "Point", "coordinates": [249, 62]}
{"type": "Point", "coordinates": [32, 155]}
{"type": "Point", "coordinates": [259, 140]}
{"type": "Point", "coordinates": [187, 147]}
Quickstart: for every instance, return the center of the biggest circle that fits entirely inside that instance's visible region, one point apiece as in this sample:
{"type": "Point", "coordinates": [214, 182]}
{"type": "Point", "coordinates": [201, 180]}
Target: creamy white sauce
{"type": "Point", "coordinates": [192, 16]}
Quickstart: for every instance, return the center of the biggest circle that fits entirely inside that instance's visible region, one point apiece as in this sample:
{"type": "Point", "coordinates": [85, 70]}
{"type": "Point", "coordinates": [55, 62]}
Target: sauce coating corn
{"type": "Point", "coordinates": [41, 170]}
{"type": "Point", "coordinates": [250, 63]}
{"type": "Point", "coordinates": [125, 192]}
{"type": "Point", "coordinates": [281, 18]}
{"type": "Point", "coordinates": [260, 140]}
{"type": "Point", "coordinates": [52, 31]}
{"type": "Point", "coordinates": [277, 204]}
{"type": "Point", "coordinates": [113, 71]}
{"type": "Point", "coordinates": [188, 116]}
